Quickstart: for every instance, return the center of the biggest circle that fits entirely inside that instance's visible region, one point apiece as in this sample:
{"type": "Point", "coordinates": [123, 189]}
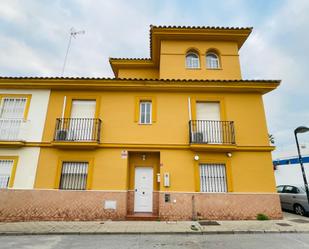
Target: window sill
{"type": "Point", "coordinates": [197, 68]}
{"type": "Point", "coordinates": [214, 68]}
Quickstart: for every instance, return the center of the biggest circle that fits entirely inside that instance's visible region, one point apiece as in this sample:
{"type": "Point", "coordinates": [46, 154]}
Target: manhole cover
{"type": "Point", "coordinates": [209, 223]}
{"type": "Point", "coordinates": [283, 224]}
{"type": "Point", "coordinates": [300, 221]}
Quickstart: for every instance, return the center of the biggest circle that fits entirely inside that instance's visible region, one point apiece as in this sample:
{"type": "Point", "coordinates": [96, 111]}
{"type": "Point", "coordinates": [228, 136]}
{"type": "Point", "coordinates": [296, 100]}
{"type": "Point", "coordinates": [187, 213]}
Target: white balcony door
{"type": "Point", "coordinates": [211, 131]}
{"type": "Point", "coordinates": [11, 117]}
{"type": "Point", "coordinates": [82, 120]}
{"type": "Point", "coordinates": [143, 189]}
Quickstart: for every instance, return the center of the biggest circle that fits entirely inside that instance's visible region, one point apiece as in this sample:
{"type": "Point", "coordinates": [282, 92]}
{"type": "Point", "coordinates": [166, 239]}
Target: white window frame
{"type": "Point", "coordinates": [191, 64]}
{"type": "Point", "coordinates": [213, 178]}
{"type": "Point", "coordinates": [213, 61]}
{"type": "Point", "coordinates": [145, 102]}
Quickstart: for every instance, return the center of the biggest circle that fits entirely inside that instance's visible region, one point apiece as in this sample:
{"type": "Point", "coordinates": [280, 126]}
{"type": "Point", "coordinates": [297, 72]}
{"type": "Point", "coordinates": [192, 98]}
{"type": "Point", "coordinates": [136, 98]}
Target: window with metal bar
{"type": "Point", "coordinates": [145, 108]}
{"type": "Point", "coordinates": [74, 175]}
{"type": "Point", "coordinates": [6, 167]}
{"type": "Point", "coordinates": [213, 178]}
{"type": "Point", "coordinates": [11, 117]}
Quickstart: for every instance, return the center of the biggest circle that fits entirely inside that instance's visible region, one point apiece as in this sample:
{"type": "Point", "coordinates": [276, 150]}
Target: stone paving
{"type": "Point", "coordinates": [290, 223]}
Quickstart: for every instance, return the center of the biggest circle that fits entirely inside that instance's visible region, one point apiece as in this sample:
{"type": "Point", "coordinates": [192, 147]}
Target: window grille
{"type": "Point", "coordinates": [74, 175]}
{"type": "Point", "coordinates": [13, 108]}
{"type": "Point", "coordinates": [213, 178]}
{"type": "Point", "coordinates": [212, 61]}
{"type": "Point", "coordinates": [11, 117]}
{"type": "Point", "coordinates": [145, 112]}
{"type": "Point", "coordinates": [6, 167]}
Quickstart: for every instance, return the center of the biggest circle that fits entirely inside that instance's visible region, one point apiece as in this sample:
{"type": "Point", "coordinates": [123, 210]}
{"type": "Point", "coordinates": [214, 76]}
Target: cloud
{"type": "Point", "coordinates": [34, 37]}
{"type": "Point", "coordinates": [278, 49]}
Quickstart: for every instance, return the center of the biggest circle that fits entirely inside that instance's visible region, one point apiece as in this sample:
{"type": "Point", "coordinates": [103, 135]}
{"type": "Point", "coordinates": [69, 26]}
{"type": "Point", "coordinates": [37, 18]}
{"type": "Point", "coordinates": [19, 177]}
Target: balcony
{"type": "Point", "coordinates": [13, 131]}
{"type": "Point", "coordinates": [211, 134]}
{"type": "Point", "coordinates": [84, 131]}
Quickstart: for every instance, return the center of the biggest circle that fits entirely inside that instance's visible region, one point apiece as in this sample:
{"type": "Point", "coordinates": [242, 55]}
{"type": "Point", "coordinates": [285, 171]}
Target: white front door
{"type": "Point", "coordinates": [143, 189]}
{"type": "Point", "coordinates": [211, 129]}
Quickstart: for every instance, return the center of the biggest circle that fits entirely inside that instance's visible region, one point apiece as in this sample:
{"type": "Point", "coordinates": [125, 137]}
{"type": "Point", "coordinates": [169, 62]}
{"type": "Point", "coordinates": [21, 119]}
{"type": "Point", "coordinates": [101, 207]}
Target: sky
{"type": "Point", "coordinates": [34, 35]}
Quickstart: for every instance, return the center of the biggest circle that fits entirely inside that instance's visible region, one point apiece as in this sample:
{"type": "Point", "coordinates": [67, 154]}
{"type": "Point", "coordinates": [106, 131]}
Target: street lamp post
{"type": "Point", "coordinates": [302, 129]}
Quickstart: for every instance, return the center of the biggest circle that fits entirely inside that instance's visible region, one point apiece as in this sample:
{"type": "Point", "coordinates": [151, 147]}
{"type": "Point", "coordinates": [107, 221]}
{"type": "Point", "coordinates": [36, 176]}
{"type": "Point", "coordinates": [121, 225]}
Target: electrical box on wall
{"type": "Point", "coordinates": [158, 177]}
{"type": "Point", "coordinates": [166, 179]}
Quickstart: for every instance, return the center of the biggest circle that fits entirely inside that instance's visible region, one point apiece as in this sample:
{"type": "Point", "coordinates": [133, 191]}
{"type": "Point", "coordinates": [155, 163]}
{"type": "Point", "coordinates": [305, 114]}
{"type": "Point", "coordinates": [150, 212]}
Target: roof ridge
{"type": "Point", "coordinates": [135, 79]}
{"type": "Point", "coordinates": [198, 27]}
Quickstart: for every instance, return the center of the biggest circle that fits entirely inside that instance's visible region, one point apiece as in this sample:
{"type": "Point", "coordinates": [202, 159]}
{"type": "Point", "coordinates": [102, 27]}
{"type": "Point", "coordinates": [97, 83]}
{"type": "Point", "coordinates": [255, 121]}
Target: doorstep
{"type": "Point", "coordinates": [139, 216]}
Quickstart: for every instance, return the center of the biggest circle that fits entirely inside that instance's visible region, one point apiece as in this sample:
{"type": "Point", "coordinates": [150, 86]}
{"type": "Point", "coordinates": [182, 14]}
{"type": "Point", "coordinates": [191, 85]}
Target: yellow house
{"type": "Point", "coordinates": [179, 135]}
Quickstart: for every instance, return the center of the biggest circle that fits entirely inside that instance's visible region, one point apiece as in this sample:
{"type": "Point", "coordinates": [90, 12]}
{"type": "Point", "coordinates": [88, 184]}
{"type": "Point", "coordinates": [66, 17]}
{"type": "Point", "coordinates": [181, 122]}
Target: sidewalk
{"type": "Point", "coordinates": [290, 224]}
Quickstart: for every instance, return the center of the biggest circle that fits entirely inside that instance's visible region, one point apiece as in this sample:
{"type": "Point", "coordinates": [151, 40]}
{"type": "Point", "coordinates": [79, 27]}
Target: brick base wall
{"type": "Point", "coordinates": [25, 205]}
{"type": "Point", "coordinates": [212, 206]}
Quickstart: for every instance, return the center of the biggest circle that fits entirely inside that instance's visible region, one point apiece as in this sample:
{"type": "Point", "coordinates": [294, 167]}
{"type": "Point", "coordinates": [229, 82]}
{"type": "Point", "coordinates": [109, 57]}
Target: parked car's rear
{"type": "Point", "coordinates": [293, 198]}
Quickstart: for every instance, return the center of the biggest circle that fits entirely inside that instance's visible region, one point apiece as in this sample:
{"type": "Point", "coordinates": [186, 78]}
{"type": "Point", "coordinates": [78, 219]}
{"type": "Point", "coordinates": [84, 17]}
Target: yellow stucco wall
{"type": "Point", "coordinates": [145, 73]}
{"type": "Point", "coordinates": [172, 60]}
{"type": "Point", "coordinates": [118, 113]}
{"type": "Point", "coordinates": [246, 171]}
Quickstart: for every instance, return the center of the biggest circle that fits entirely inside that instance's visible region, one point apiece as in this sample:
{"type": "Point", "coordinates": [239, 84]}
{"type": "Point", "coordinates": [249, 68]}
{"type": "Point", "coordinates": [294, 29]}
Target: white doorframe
{"type": "Point", "coordinates": [143, 189]}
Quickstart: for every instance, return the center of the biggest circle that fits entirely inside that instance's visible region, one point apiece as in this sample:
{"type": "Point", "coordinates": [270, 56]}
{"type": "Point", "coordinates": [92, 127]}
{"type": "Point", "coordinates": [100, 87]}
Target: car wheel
{"type": "Point", "coordinates": [298, 209]}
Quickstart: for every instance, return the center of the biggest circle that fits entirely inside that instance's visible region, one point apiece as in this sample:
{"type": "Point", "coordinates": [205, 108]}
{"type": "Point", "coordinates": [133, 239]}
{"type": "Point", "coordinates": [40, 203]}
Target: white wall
{"type": "Point", "coordinates": [26, 166]}
{"type": "Point", "coordinates": [290, 174]}
{"type": "Point", "coordinates": [28, 156]}
{"type": "Point", "coordinates": [37, 112]}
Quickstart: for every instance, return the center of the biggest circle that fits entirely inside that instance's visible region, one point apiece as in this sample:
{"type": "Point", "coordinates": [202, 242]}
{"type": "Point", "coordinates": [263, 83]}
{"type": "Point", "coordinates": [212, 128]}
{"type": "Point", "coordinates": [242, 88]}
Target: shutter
{"type": "Point", "coordinates": [83, 109]}
{"type": "Point", "coordinates": [208, 111]}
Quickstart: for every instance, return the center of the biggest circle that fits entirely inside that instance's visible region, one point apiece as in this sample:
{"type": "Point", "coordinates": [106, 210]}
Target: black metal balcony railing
{"type": "Point", "coordinates": [78, 129]}
{"type": "Point", "coordinates": [211, 132]}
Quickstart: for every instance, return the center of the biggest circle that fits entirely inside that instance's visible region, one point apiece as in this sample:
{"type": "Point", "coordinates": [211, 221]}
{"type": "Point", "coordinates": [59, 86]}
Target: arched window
{"type": "Point", "coordinates": [212, 60]}
{"type": "Point", "coordinates": [192, 60]}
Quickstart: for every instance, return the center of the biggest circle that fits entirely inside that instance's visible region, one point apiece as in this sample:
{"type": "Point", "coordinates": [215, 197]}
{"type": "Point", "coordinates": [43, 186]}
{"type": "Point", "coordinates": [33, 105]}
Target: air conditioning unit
{"type": "Point", "coordinates": [198, 137]}
{"type": "Point", "coordinates": [61, 135]}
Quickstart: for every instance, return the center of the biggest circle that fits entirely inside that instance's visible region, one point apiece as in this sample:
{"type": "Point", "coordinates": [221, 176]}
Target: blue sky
{"type": "Point", "coordinates": [34, 36]}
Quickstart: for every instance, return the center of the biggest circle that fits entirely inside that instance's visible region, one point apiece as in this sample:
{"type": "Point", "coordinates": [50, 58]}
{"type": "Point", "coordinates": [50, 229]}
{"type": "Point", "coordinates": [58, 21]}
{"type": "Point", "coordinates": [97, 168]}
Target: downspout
{"type": "Point", "coordinates": [63, 110]}
{"type": "Point", "coordinates": [190, 117]}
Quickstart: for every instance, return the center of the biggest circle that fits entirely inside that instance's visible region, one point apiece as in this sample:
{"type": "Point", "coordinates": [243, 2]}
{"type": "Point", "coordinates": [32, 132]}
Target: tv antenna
{"type": "Point", "coordinates": [73, 33]}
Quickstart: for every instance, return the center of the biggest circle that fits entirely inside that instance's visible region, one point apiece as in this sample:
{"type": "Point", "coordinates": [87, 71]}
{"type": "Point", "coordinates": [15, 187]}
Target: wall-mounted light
{"type": "Point", "coordinates": [196, 158]}
{"type": "Point", "coordinates": [143, 157]}
{"type": "Point", "coordinates": [229, 154]}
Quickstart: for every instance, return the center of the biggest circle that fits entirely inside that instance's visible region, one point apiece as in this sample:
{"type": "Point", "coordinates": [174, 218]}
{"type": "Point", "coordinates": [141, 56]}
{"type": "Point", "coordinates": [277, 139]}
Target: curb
{"type": "Point", "coordinates": [151, 233]}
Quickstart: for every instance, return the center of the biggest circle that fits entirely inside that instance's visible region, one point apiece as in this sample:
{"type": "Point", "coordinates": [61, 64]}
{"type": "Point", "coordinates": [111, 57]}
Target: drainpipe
{"type": "Point", "coordinates": [63, 109]}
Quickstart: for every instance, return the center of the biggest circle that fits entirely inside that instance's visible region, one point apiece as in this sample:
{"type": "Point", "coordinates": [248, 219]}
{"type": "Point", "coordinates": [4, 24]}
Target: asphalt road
{"type": "Point", "coordinates": [240, 241]}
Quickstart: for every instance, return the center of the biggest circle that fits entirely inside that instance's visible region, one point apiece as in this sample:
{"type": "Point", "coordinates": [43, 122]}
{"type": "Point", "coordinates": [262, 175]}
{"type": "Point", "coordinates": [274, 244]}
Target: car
{"type": "Point", "coordinates": [293, 198]}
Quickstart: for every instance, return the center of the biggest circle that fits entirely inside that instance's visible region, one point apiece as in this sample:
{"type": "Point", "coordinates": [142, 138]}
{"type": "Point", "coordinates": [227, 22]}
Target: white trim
{"type": "Point", "coordinates": [140, 112]}
{"type": "Point", "coordinates": [64, 104]}
{"type": "Point", "coordinates": [189, 108]}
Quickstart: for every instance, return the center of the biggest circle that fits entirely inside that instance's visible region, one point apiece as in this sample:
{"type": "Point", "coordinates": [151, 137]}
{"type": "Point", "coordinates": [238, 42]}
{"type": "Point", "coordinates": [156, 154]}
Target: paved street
{"type": "Point", "coordinates": [245, 241]}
